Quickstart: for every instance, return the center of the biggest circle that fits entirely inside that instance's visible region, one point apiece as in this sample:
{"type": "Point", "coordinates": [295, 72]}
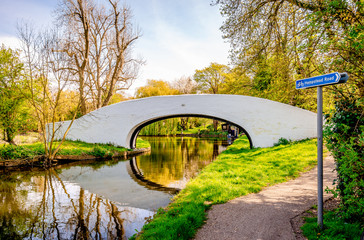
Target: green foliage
{"type": "Point", "coordinates": [282, 141]}
{"type": "Point", "coordinates": [341, 22]}
{"type": "Point", "coordinates": [99, 151]}
{"type": "Point", "coordinates": [277, 42]}
{"type": "Point", "coordinates": [211, 78]}
{"type": "Point", "coordinates": [185, 125]}
{"type": "Point", "coordinates": [263, 77]}
{"type": "Point", "coordinates": [13, 114]}
{"type": "Point", "coordinates": [161, 128]}
{"type": "Point", "coordinates": [237, 171]}
{"type": "Point", "coordinates": [334, 228]}
{"type": "Point", "coordinates": [155, 88]}
{"type": "Point", "coordinates": [8, 152]}
{"type": "Point", "coordinates": [18, 152]}
{"type": "Point", "coordinates": [344, 134]}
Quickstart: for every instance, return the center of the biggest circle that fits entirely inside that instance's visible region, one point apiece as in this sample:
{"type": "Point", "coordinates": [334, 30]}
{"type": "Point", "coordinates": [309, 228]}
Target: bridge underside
{"type": "Point", "coordinates": [139, 128]}
{"type": "Point", "coordinates": [263, 121]}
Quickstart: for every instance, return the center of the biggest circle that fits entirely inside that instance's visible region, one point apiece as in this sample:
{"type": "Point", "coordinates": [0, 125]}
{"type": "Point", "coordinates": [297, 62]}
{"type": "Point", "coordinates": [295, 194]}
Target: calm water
{"type": "Point", "coordinates": [100, 200]}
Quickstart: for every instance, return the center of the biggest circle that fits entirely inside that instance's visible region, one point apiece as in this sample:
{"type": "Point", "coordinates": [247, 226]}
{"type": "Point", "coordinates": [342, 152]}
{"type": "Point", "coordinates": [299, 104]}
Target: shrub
{"type": "Point", "coordinates": [98, 151]}
{"type": "Point", "coordinates": [345, 139]}
{"type": "Point", "coordinates": [15, 152]}
{"type": "Point", "coordinates": [282, 141]}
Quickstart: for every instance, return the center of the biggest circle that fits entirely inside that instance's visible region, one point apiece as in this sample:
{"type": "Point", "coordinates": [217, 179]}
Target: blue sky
{"type": "Point", "coordinates": [178, 36]}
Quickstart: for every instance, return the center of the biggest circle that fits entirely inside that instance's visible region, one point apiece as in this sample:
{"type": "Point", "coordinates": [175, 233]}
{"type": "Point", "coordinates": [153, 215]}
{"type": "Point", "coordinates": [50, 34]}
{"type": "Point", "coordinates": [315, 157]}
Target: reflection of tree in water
{"type": "Point", "coordinates": [44, 206]}
{"type": "Point", "coordinates": [9, 222]}
{"type": "Point", "coordinates": [177, 159]}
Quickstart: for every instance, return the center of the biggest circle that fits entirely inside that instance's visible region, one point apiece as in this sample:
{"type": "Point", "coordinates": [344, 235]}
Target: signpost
{"type": "Point", "coordinates": [319, 82]}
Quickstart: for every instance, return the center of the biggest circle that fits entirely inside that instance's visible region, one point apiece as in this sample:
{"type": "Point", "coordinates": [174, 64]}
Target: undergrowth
{"type": "Point", "coordinates": [335, 227]}
{"type": "Point", "coordinates": [78, 148]}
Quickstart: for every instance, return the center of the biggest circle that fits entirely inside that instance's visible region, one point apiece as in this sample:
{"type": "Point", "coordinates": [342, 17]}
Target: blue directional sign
{"type": "Point", "coordinates": [319, 81]}
{"type": "Point", "coordinates": [328, 79]}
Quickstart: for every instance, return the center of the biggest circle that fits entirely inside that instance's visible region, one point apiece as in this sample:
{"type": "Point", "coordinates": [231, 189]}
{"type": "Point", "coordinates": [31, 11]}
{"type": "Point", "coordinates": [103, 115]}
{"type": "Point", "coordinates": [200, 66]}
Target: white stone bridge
{"type": "Point", "coordinates": [263, 121]}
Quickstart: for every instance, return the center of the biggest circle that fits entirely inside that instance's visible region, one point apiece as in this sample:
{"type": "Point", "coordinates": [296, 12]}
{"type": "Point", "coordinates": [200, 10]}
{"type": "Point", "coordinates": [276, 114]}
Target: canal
{"type": "Point", "coordinates": [100, 199]}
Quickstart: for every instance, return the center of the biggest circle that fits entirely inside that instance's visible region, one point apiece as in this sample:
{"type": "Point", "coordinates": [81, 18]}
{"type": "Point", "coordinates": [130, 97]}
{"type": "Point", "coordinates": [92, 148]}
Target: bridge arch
{"type": "Point", "coordinates": [138, 128]}
{"type": "Point", "coordinates": [264, 121]}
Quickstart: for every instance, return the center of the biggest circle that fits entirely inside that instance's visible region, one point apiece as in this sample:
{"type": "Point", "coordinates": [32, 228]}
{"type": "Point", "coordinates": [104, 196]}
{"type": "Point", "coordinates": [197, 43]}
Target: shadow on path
{"type": "Point", "coordinates": [266, 215]}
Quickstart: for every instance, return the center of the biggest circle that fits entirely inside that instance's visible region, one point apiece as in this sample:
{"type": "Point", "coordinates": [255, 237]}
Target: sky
{"type": "Point", "coordinates": [177, 36]}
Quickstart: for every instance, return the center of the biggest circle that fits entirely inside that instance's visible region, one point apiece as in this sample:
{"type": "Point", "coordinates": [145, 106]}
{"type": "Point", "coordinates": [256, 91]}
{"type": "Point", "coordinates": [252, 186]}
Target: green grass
{"type": "Point", "coordinates": [77, 148]}
{"type": "Point", "coordinates": [237, 171]}
{"type": "Point", "coordinates": [334, 228]}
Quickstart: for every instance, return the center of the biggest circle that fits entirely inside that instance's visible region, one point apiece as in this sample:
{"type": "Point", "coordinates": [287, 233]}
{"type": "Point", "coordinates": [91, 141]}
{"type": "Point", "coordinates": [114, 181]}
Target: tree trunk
{"type": "Point", "coordinates": [215, 122]}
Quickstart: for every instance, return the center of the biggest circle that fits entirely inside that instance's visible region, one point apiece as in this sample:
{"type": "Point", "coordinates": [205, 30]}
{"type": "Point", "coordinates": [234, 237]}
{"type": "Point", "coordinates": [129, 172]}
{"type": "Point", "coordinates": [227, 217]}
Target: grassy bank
{"type": "Point", "coordinates": [334, 228]}
{"type": "Point", "coordinates": [237, 171]}
{"type": "Point", "coordinates": [77, 148]}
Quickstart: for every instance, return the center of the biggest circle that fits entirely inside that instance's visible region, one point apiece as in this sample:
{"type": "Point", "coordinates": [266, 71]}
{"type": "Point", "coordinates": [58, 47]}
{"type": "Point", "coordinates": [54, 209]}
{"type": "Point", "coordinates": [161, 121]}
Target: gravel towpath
{"type": "Point", "coordinates": [266, 215]}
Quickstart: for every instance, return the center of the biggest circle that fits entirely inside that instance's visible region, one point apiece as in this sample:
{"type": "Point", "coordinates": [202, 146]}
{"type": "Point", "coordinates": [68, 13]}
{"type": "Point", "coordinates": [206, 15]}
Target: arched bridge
{"type": "Point", "coordinates": [264, 121]}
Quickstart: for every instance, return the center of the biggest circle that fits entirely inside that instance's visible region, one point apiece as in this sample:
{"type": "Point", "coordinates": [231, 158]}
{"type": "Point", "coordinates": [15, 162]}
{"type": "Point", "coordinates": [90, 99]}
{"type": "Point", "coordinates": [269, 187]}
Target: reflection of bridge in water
{"type": "Point", "coordinates": [192, 155]}
{"type": "Point", "coordinates": [137, 175]}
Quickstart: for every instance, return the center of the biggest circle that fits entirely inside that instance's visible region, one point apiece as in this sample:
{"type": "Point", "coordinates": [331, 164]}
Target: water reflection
{"type": "Point", "coordinates": [100, 200]}
{"type": "Point", "coordinates": [138, 177]}
{"type": "Point", "coordinates": [173, 161]}
{"type": "Point", "coordinates": [42, 206]}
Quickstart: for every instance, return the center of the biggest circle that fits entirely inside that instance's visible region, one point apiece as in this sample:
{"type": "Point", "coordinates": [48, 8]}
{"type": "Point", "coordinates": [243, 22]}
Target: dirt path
{"type": "Point", "coordinates": [266, 215]}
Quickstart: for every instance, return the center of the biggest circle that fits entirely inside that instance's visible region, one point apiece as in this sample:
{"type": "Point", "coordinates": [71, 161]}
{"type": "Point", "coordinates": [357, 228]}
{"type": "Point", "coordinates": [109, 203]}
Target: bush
{"type": "Point", "coordinates": [345, 139]}
{"type": "Point", "coordinates": [98, 151]}
{"type": "Point", "coordinates": [282, 141]}
{"type": "Point", "coordinates": [16, 152]}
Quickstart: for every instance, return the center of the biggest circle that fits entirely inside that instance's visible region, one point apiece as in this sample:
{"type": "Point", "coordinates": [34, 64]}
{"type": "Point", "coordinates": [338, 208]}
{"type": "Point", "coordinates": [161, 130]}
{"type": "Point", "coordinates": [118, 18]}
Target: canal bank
{"type": "Point", "coordinates": [104, 197]}
{"type": "Point", "coordinates": [61, 159]}
{"type": "Point", "coordinates": [236, 172]}
{"type": "Point", "coordinates": [32, 155]}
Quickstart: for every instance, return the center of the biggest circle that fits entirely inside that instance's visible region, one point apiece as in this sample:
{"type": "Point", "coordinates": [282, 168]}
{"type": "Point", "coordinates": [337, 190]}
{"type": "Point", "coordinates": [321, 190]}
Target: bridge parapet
{"type": "Point", "coordinates": [264, 121]}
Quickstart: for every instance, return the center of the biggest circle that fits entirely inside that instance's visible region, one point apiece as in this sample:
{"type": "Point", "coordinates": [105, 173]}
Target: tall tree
{"type": "Point", "coordinates": [318, 36]}
{"type": "Point", "coordinates": [13, 113]}
{"type": "Point", "coordinates": [185, 85]}
{"type": "Point", "coordinates": [99, 42]}
{"type": "Point", "coordinates": [155, 88]}
{"type": "Point", "coordinates": [211, 78]}
{"type": "Point", "coordinates": [46, 78]}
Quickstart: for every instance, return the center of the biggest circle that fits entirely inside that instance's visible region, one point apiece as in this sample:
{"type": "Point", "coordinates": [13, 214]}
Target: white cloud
{"type": "Point", "coordinates": [173, 51]}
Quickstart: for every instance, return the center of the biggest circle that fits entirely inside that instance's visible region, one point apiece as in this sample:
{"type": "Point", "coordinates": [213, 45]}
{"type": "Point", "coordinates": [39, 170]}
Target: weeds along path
{"type": "Point", "coordinates": [267, 214]}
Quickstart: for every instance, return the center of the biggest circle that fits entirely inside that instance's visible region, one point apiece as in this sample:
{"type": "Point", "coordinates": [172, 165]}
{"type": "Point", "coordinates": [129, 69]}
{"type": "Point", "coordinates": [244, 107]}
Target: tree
{"type": "Point", "coordinates": [211, 78]}
{"type": "Point", "coordinates": [99, 43]}
{"type": "Point", "coordinates": [46, 78]}
{"type": "Point", "coordinates": [318, 36]}
{"type": "Point", "coordinates": [13, 114]}
{"type": "Point", "coordinates": [155, 88]}
{"type": "Point", "coordinates": [185, 85]}
{"type": "Point", "coordinates": [328, 36]}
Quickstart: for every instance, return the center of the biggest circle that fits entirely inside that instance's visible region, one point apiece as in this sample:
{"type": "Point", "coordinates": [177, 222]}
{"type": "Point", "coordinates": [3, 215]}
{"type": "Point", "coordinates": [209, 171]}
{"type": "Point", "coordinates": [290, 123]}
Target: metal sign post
{"type": "Point", "coordinates": [320, 173]}
{"type": "Point", "coordinates": [319, 82]}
